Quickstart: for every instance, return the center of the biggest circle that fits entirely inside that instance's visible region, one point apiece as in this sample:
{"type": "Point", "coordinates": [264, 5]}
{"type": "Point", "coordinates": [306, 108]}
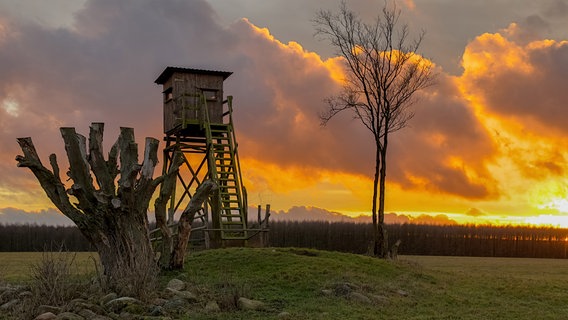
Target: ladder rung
{"type": "Point", "coordinates": [243, 237]}
{"type": "Point", "coordinates": [234, 223]}
{"type": "Point", "coordinates": [228, 194]}
{"type": "Point", "coordinates": [231, 215]}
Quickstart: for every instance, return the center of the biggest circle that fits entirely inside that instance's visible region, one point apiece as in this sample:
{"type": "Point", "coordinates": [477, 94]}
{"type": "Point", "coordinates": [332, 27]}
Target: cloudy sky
{"type": "Point", "coordinates": [488, 142]}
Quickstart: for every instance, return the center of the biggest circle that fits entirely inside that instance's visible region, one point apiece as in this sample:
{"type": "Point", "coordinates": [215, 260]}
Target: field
{"type": "Point", "coordinates": [16, 266]}
{"type": "Point", "coordinates": [415, 287]}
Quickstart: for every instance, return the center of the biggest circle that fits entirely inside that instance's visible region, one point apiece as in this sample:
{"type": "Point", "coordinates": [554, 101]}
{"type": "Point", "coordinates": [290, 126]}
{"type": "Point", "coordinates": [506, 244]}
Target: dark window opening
{"type": "Point", "coordinates": [168, 94]}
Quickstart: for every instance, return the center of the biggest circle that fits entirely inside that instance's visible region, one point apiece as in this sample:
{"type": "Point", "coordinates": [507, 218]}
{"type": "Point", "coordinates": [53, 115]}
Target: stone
{"type": "Point", "coordinates": [342, 289]}
{"type": "Point", "coordinates": [116, 305]}
{"type": "Point", "coordinates": [80, 304]}
{"type": "Point", "coordinates": [68, 316]}
{"type": "Point", "coordinates": [327, 292]}
{"type": "Point", "coordinates": [87, 314]}
{"type": "Point", "coordinates": [169, 292]}
{"type": "Point", "coordinates": [47, 309]}
{"type": "Point", "coordinates": [187, 295]}
{"type": "Point", "coordinates": [248, 304]}
{"type": "Point", "coordinates": [126, 316]}
{"type": "Point", "coordinates": [402, 293]}
{"type": "Point", "coordinates": [108, 297]}
{"type": "Point", "coordinates": [359, 297]}
{"type": "Point", "coordinates": [96, 313]}
{"type": "Point", "coordinates": [212, 306]}
{"type": "Point", "coordinates": [379, 299]}
{"type": "Point", "coordinates": [159, 301]}
{"type": "Point", "coordinates": [157, 311]}
{"type": "Point", "coordinates": [176, 305]}
{"type": "Point", "coordinates": [46, 316]}
{"type": "Point", "coordinates": [284, 315]}
{"type": "Point", "coordinates": [176, 284]}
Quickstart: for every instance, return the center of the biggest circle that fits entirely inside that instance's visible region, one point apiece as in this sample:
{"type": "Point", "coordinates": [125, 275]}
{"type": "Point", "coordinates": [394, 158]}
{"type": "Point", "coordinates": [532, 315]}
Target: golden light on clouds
{"type": "Point", "coordinates": [489, 53]}
{"type": "Point", "coordinates": [551, 194]}
{"type": "Point", "coordinates": [292, 186]}
{"type": "Point", "coordinates": [531, 158]}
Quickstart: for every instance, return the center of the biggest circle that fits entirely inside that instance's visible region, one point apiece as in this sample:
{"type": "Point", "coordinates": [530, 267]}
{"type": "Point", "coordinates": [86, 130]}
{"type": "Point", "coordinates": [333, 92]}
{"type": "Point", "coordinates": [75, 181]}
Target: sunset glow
{"type": "Point", "coordinates": [488, 143]}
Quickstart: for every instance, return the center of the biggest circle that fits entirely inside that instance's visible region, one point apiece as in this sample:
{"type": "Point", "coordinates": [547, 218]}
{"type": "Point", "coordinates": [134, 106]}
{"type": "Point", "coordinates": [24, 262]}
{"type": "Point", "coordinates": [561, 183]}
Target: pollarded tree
{"type": "Point", "coordinates": [111, 212]}
{"type": "Point", "coordinates": [383, 72]}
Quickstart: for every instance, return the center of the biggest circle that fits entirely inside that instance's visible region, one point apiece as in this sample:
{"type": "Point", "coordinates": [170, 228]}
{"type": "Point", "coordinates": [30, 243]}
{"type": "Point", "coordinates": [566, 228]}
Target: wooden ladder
{"type": "Point", "coordinates": [224, 168]}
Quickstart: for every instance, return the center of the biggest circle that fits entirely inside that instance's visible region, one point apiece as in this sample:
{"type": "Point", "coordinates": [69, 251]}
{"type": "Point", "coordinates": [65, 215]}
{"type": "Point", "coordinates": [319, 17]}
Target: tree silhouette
{"type": "Point", "coordinates": [383, 72]}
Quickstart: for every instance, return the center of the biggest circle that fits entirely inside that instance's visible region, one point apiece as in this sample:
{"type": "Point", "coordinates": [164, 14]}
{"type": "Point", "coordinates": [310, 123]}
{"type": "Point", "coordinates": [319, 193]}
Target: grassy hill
{"type": "Point", "coordinates": [311, 284]}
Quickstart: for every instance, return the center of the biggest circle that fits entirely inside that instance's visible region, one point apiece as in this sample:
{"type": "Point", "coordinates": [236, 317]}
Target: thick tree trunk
{"type": "Point", "coordinates": [114, 220]}
{"type": "Point", "coordinates": [126, 256]}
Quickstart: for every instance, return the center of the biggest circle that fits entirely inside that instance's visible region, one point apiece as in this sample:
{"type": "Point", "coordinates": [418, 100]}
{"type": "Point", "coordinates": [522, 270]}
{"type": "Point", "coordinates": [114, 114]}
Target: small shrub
{"type": "Point", "coordinates": [52, 283]}
{"type": "Point", "coordinates": [52, 278]}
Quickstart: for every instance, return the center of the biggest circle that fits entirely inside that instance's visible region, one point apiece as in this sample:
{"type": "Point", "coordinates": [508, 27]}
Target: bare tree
{"type": "Point", "coordinates": [111, 211]}
{"type": "Point", "coordinates": [383, 72]}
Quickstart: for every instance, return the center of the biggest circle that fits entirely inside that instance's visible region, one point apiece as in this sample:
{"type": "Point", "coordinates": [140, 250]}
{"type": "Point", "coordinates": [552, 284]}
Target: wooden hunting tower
{"type": "Point", "coordinates": [199, 124]}
{"type": "Point", "coordinates": [185, 92]}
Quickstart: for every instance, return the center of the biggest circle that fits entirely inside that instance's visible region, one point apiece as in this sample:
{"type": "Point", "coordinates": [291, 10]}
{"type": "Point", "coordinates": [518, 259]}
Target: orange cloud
{"type": "Point", "coordinates": [519, 95]}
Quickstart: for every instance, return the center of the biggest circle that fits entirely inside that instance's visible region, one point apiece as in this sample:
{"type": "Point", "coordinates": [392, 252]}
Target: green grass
{"type": "Point", "coordinates": [498, 288]}
{"type": "Point", "coordinates": [291, 280]}
{"type": "Point", "coordinates": [16, 266]}
{"type": "Point", "coordinates": [438, 287]}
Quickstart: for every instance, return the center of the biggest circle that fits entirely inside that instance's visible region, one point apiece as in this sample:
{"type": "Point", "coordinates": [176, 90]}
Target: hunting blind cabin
{"type": "Point", "coordinates": [199, 124]}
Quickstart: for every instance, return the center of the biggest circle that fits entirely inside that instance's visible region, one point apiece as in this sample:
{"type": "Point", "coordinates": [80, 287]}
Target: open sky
{"type": "Point", "coordinates": [488, 144]}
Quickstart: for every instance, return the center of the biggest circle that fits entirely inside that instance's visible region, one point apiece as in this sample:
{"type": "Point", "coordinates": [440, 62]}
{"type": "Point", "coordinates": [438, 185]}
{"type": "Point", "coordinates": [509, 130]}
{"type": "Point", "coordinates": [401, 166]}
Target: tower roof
{"type": "Point", "coordinates": [167, 73]}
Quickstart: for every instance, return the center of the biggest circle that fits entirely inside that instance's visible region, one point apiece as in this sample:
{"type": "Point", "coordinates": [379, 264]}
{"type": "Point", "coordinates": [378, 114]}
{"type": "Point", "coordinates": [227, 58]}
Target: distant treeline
{"type": "Point", "coordinates": [454, 240]}
{"type": "Point", "coordinates": [42, 237]}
